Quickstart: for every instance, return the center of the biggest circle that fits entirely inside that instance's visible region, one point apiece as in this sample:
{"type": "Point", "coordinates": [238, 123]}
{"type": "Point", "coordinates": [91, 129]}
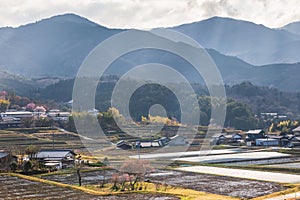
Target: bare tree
{"type": "Point", "coordinates": [79, 176]}
{"type": "Point", "coordinates": [78, 169]}
{"type": "Point", "coordinates": [115, 179]}
{"type": "Point", "coordinates": [104, 168]}
{"type": "Point", "coordinates": [31, 151]}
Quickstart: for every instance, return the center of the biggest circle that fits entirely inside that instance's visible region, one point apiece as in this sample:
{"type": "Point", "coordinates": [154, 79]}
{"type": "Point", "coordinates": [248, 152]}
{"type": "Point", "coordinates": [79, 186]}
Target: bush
{"type": "Point", "coordinates": [27, 166]}
{"type": "Point", "coordinates": [13, 166]}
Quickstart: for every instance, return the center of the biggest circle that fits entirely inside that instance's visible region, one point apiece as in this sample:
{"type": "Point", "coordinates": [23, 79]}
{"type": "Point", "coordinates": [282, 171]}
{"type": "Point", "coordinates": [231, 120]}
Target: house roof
{"type": "Point", "coordinates": [256, 131]}
{"type": "Point", "coordinates": [176, 136]}
{"type": "Point", "coordinates": [3, 154]}
{"type": "Point", "coordinates": [266, 139]}
{"type": "Point", "coordinates": [276, 136]}
{"type": "Point", "coordinates": [296, 129]}
{"type": "Point", "coordinates": [216, 135]}
{"type": "Point", "coordinates": [54, 153]}
{"type": "Point", "coordinates": [295, 138]}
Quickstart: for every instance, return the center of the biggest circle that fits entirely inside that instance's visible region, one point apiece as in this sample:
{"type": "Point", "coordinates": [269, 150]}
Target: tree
{"type": "Point", "coordinates": [44, 122]}
{"type": "Point", "coordinates": [13, 166]}
{"type": "Point", "coordinates": [135, 170]}
{"type": "Point", "coordinates": [105, 163]}
{"type": "Point", "coordinates": [28, 122]}
{"type": "Point", "coordinates": [71, 125]}
{"type": "Point", "coordinates": [27, 166]}
{"type": "Point", "coordinates": [31, 151]}
{"type": "Point", "coordinates": [114, 180]}
{"type": "Point", "coordinates": [79, 176]}
{"type": "Point", "coordinates": [107, 119]}
{"type": "Point", "coordinates": [30, 107]}
{"type": "Point", "coordinates": [4, 105]}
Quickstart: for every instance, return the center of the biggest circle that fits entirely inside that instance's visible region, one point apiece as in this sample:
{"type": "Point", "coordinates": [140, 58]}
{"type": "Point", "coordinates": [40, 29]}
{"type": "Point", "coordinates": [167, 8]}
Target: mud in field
{"type": "Point", "coordinates": [87, 178]}
{"type": "Point", "coordinates": [18, 188]}
{"type": "Point", "coordinates": [222, 185]}
{"type": "Point", "coordinates": [228, 186]}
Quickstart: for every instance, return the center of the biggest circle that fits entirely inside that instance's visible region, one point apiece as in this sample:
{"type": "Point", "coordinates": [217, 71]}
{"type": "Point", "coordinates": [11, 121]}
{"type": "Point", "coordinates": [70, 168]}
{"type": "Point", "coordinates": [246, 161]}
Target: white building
{"type": "Point", "coordinates": [267, 142]}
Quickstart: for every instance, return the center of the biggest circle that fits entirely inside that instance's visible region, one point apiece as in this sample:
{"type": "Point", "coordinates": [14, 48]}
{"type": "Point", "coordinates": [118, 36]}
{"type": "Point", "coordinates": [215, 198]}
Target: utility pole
{"type": "Point", "coordinates": [139, 147]}
{"type": "Point", "coordinates": [52, 139]}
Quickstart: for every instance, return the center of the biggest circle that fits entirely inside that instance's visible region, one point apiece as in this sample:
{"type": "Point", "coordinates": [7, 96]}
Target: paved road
{"type": "Point", "coordinates": [233, 157]}
{"type": "Point", "coordinates": [248, 174]}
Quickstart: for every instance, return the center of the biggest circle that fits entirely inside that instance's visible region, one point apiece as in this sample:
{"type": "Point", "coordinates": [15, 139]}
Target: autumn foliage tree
{"type": "Point", "coordinates": [4, 105]}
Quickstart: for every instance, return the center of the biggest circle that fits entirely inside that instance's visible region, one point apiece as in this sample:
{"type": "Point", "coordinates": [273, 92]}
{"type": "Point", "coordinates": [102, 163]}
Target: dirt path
{"type": "Point", "coordinates": [287, 196]}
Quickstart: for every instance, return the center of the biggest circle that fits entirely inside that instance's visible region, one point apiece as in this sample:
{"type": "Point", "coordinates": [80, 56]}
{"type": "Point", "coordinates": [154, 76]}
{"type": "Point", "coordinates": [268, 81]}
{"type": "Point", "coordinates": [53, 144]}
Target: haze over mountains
{"type": "Point", "coordinates": [243, 51]}
{"type": "Point", "coordinates": [255, 44]}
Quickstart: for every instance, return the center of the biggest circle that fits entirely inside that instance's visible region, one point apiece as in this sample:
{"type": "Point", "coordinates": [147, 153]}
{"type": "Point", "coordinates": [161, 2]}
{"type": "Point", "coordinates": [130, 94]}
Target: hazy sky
{"type": "Point", "coordinates": [151, 13]}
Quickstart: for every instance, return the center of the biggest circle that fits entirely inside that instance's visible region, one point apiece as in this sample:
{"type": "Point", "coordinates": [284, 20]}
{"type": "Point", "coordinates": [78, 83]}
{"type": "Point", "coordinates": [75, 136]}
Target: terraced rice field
{"type": "Point", "coordinates": [18, 188]}
{"type": "Point", "coordinates": [222, 185]}
{"type": "Point", "coordinates": [41, 139]}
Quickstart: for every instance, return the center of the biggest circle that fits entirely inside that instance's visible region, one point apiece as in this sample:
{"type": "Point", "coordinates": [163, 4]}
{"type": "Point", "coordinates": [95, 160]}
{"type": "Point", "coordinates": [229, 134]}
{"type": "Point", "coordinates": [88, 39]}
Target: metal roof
{"type": "Point", "coordinates": [3, 154]}
{"type": "Point", "coordinates": [256, 131]}
{"type": "Point", "coordinates": [297, 129]}
{"type": "Point", "coordinates": [53, 153]}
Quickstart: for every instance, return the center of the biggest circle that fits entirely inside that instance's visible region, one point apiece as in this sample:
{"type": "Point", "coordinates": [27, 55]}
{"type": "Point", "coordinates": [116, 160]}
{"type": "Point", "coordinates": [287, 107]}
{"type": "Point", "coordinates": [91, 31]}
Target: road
{"type": "Point", "coordinates": [248, 174]}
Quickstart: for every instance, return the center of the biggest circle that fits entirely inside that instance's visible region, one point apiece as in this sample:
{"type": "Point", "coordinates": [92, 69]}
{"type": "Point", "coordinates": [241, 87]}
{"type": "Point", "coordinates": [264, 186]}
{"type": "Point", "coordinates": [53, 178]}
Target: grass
{"type": "Point", "coordinates": [22, 137]}
{"type": "Point", "coordinates": [295, 188]}
{"type": "Point", "coordinates": [33, 130]}
{"type": "Point", "coordinates": [295, 152]}
{"type": "Point", "coordinates": [69, 171]}
{"type": "Point", "coordinates": [186, 194]}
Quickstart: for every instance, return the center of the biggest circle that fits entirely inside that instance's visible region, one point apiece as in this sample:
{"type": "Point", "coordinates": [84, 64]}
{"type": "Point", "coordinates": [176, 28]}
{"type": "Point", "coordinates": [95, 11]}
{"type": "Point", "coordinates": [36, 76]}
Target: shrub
{"type": "Point", "coordinates": [13, 166]}
{"type": "Point", "coordinates": [27, 166]}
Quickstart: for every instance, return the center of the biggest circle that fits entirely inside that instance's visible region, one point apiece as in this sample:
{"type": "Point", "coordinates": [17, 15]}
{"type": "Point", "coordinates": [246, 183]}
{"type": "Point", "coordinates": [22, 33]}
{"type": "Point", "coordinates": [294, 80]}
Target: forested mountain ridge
{"type": "Point", "coordinates": [56, 47]}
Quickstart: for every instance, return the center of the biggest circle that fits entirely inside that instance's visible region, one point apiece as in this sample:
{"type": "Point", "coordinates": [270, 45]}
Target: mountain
{"type": "Point", "coordinates": [56, 47]}
{"type": "Point", "coordinates": [12, 82]}
{"type": "Point", "coordinates": [259, 98]}
{"type": "Point", "coordinates": [293, 27]}
{"type": "Point", "coordinates": [50, 47]}
{"type": "Point", "coordinates": [24, 86]}
{"type": "Point", "coordinates": [255, 44]}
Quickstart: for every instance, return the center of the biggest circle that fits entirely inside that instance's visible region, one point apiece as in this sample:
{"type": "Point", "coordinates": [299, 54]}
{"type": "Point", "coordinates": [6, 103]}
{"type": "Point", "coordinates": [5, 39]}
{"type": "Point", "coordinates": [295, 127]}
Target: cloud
{"type": "Point", "coordinates": [151, 13]}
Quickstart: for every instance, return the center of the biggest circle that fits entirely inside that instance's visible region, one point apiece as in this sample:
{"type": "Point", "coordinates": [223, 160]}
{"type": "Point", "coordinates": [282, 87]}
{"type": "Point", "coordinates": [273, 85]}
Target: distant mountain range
{"type": "Point", "coordinates": [50, 47]}
{"type": "Point", "coordinates": [243, 51]}
{"type": "Point", "coordinates": [293, 27]}
{"type": "Point", "coordinates": [255, 44]}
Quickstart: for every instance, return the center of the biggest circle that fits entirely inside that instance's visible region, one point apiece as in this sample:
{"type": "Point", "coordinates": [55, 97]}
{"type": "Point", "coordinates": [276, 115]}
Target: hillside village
{"type": "Point", "coordinates": [37, 139]}
{"type": "Point", "coordinates": [53, 148]}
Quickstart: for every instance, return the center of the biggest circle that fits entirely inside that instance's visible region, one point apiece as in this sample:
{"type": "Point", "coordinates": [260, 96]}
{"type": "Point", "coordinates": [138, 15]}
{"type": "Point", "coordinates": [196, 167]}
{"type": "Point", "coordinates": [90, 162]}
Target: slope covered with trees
{"type": "Point", "coordinates": [244, 101]}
